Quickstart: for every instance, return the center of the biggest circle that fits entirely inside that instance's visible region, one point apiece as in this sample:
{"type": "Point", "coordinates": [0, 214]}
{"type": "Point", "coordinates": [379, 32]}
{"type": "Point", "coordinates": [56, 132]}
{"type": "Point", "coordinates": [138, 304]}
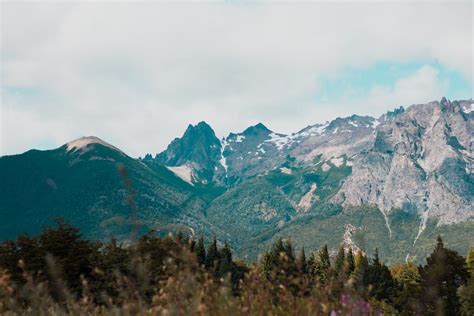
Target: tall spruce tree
{"type": "Point", "coordinates": [407, 279]}
{"type": "Point", "coordinates": [279, 262]}
{"type": "Point", "coordinates": [380, 280]}
{"type": "Point", "coordinates": [323, 265]}
{"type": "Point", "coordinates": [340, 259]}
{"type": "Point", "coordinates": [360, 272]}
{"type": "Point", "coordinates": [470, 261]}
{"type": "Point", "coordinates": [444, 272]}
{"type": "Point", "coordinates": [301, 263]}
{"type": "Point", "coordinates": [312, 266]}
{"type": "Point", "coordinates": [212, 255]}
{"type": "Point", "coordinates": [350, 262]}
{"type": "Point", "coordinates": [200, 251]}
{"type": "Point", "coordinates": [466, 292]}
{"type": "Point", "coordinates": [225, 260]}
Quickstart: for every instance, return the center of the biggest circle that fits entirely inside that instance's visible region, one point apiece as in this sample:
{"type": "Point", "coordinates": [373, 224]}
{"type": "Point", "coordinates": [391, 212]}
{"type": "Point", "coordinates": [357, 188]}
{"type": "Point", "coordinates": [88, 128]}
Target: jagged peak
{"type": "Point", "coordinates": [203, 124]}
{"type": "Point", "coordinates": [201, 127]}
{"type": "Point", "coordinates": [256, 129]}
{"type": "Point", "coordinates": [444, 101]}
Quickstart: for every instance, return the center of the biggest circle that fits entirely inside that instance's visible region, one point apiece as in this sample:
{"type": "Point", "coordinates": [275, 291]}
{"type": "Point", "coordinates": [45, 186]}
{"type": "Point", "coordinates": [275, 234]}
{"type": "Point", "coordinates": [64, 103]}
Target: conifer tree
{"type": "Point", "coordinates": [443, 273]}
{"type": "Point", "coordinates": [212, 255]}
{"type": "Point", "coordinates": [407, 278]}
{"type": "Point", "coordinates": [350, 262]}
{"type": "Point", "coordinates": [360, 272]}
{"type": "Point", "coordinates": [225, 260]}
{"type": "Point", "coordinates": [312, 266]}
{"type": "Point", "coordinates": [280, 260]}
{"type": "Point", "coordinates": [340, 258]}
{"type": "Point", "coordinates": [323, 265]}
{"type": "Point", "coordinates": [270, 259]}
{"type": "Point", "coordinates": [324, 257]}
{"type": "Point", "coordinates": [301, 263]}
{"type": "Point", "coordinates": [200, 251]}
{"type": "Point", "coordinates": [470, 261]}
{"type": "Point", "coordinates": [466, 292]}
{"type": "Point", "coordinates": [380, 279]}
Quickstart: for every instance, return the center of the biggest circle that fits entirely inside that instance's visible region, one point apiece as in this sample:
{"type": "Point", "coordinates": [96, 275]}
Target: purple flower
{"type": "Point", "coordinates": [345, 299]}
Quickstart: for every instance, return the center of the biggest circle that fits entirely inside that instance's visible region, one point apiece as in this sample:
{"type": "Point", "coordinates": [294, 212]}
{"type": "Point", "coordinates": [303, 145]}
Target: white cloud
{"type": "Point", "coordinates": [137, 73]}
{"type": "Point", "coordinates": [418, 87]}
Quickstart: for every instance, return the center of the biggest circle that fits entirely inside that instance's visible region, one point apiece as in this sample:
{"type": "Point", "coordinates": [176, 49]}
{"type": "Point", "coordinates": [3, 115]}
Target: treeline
{"type": "Point", "coordinates": [59, 272]}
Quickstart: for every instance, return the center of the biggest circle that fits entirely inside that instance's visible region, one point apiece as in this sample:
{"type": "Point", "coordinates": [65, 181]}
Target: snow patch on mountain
{"type": "Point", "coordinates": [339, 161]}
{"type": "Point", "coordinates": [375, 123]}
{"type": "Point", "coordinates": [223, 160]}
{"type": "Point", "coordinates": [468, 108]}
{"type": "Point", "coordinates": [280, 140]}
{"type": "Point", "coordinates": [184, 172]}
{"type": "Point", "coordinates": [239, 138]}
{"type": "Point", "coordinates": [325, 167]}
{"type": "Point", "coordinates": [315, 130]}
{"type": "Point", "coordinates": [82, 143]}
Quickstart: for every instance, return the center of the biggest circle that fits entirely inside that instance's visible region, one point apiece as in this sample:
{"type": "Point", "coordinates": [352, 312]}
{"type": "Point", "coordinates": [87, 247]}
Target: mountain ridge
{"type": "Point", "coordinates": [410, 166]}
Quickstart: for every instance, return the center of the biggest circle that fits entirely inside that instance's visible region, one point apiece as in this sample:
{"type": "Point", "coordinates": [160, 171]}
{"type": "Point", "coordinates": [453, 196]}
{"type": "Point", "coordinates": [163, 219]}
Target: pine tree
{"type": "Point", "coordinates": [279, 260]}
{"type": "Point", "coordinates": [380, 279]}
{"type": "Point", "coordinates": [443, 273]}
{"type": "Point", "coordinates": [466, 293]}
{"type": "Point", "coordinates": [470, 261]}
{"type": "Point", "coordinates": [360, 272]}
{"type": "Point", "coordinates": [212, 255]}
{"type": "Point", "coordinates": [200, 251]}
{"type": "Point", "coordinates": [271, 258]}
{"type": "Point", "coordinates": [323, 265]}
{"type": "Point", "coordinates": [340, 259]}
{"type": "Point", "coordinates": [225, 260]}
{"type": "Point", "coordinates": [301, 263]}
{"type": "Point", "coordinates": [407, 279]}
{"type": "Point", "coordinates": [324, 257]}
{"type": "Point", "coordinates": [312, 266]}
{"type": "Point", "coordinates": [350, 262]}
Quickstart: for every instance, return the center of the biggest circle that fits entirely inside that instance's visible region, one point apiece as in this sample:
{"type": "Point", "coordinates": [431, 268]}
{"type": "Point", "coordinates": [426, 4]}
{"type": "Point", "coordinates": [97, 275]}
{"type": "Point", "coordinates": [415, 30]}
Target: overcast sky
{"type": "Point", "coordinates": [136, 74]}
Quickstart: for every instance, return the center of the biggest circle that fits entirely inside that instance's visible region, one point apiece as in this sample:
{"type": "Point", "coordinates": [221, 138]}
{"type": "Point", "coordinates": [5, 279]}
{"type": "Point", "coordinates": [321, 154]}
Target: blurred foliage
{"type": "Point", "coordinates": [58, 272]}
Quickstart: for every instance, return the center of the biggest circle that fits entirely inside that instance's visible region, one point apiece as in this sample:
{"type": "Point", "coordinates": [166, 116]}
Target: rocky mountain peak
{"type": "Point", "coordinates": [84, 144]}
{"type": "Point", "coordinates": [198, 147]}
{"type": "Point", "coordinates": [257, 129]}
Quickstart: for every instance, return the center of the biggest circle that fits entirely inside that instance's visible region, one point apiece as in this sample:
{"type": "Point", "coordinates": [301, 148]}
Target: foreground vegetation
{"type": "Point", "coordinates": [58, 273]}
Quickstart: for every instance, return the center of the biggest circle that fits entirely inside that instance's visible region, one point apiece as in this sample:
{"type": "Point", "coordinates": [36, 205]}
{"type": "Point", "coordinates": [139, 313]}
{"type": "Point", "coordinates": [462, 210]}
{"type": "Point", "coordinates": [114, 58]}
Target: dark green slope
{"type": "Point", "coordinates": [86, 188]}
{"type": "Point", "coordinates": [248, 210]}
{"type": "Point", "coordinates": [371, 232]}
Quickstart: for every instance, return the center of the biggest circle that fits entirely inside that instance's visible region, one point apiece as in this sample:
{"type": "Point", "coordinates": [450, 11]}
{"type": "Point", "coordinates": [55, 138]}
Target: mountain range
{"type": "Point", "coordinates": [392, 183]}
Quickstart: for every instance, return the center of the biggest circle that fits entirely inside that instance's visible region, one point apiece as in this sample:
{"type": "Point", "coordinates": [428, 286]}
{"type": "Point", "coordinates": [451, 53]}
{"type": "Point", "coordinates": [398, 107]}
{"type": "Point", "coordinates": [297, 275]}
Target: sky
{"type": "Point", "coordinates": [136, 74]}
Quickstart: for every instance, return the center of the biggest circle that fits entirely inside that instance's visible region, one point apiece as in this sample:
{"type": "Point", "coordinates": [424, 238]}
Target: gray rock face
{"type": "Point", "coordinates": [420, 160]}
{"type": "Point", "coordinates": [343, 136]}
{"type": "Point", "coordinates": [252, 152]}
{"type": "Point", "coordinates": [198, 149]}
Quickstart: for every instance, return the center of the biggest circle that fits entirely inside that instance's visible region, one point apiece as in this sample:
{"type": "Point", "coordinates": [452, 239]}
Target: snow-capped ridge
{"type": "Point", "coordinates": [82, 143]}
